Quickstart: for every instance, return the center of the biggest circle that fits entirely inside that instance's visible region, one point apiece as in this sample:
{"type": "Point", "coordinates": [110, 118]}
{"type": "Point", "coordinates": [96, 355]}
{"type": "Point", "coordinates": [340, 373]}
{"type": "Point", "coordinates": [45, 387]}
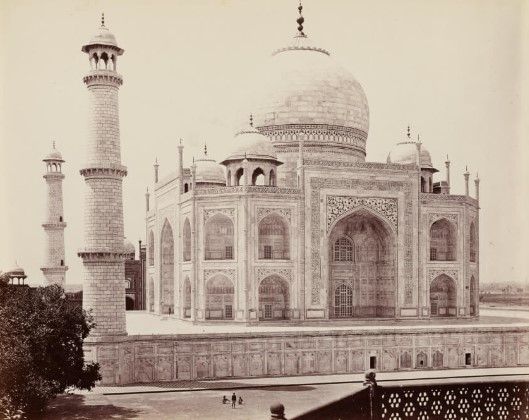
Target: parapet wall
{"type": "Point", "coordinates": [157, 358]}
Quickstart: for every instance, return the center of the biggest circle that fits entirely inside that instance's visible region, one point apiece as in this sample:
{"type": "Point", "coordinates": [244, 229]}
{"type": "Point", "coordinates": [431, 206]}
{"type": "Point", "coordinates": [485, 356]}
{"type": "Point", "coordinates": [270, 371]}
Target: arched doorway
{"type": "Point", "coordinates": [273, 241]}
{"type": "Point", "coordinates": [219, 298]}
{"type": "Point", "coordinates": [274, 299]}
{"type": "Point", "coordinates": [362, 267]}
{"type": "Point", "coordinates": [129, 303]}
{"type": "Point", "coordinates": [443, 240]}
{"type": "Point", "coordinates": [443, 297]}
{"type": "Point", "coordinates": [167, 270]}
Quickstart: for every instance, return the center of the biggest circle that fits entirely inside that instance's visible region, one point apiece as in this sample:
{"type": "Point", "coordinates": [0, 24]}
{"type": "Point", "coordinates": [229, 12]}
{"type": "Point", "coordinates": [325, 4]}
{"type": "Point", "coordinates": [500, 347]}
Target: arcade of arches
{"type": "Point", "coordinates": [274, 298]}
{"type": "Point", "coordinates": [167, 270]}
{"type": "Point", "coordinates": [362, 267]}
{"type": "Point", "coordinates": [443, 297]}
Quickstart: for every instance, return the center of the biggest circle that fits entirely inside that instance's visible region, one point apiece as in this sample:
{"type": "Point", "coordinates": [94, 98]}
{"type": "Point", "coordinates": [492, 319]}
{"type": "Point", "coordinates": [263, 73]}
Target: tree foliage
{"type": "Point", "coordinates": [41, 348]}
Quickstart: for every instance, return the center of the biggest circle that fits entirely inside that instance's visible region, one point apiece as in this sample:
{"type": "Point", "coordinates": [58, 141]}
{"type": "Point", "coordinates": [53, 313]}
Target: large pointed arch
{"type": "Point", "coordinates": [273, 238]}
{"type": "Point", "coordinates": [362, 266]}
{"type": "Point", "coordinates": [167, 269]}
{"type": "Point", "coordinates": [443, 241]}
{"type": "Point", "coordinates": [219, 238]}
{"type": "Point", "coordinates": [219, 297]}
{"type": "Point", "coordinates": [443, 296]}
{"type": "Point", "coordinates": [274, 298]}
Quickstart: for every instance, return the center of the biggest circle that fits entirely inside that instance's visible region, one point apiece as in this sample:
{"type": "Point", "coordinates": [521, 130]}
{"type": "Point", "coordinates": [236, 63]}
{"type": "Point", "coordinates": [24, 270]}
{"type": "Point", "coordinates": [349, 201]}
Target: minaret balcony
{"type": "Point", "coordinates": [54, 225]}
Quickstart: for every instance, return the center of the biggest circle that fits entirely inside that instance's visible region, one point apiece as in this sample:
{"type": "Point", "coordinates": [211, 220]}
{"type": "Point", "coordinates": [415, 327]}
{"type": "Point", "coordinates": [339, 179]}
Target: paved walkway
{"type": "Point", "coordinates": [423, 375]}
{"type": "Point", "coordinates": [298, 394]}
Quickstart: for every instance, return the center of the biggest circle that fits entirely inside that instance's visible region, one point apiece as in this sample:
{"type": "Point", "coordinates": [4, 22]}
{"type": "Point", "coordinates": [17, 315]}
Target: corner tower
{"type": "Point", "coordinates": [54, 268]}
{"type": "Point", "coordinates": [103, 253]}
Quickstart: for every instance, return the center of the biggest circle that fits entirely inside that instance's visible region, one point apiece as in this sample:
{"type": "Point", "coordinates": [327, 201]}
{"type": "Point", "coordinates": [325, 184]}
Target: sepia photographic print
{"type": "Point", "coordinates": [235, 209]}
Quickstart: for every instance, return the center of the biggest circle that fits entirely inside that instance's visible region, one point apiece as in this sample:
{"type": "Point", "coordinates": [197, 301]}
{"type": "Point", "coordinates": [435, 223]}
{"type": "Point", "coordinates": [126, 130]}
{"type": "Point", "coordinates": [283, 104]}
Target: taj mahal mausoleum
{"type": "Point", "coordinates": [291, 254]}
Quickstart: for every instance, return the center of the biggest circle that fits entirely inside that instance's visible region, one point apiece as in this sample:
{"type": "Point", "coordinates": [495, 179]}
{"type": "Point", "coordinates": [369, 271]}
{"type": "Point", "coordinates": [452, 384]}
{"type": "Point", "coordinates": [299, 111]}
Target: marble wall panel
{"type": "Point", "coordinates": [183, 365]}
{"type": "Point", "coordinates": [358, 361]}
{"type": "Point", "coordinates": [255, 364]}
{"type": "Point", "coordinates": [239, 364]}
{"type": "Point", "coordinates": [221, 365]}
{"type": "Point", "coordinates": [165, 368]}
{"type": "Point", "coordinates": [291, 363]}
{"type": "Point", "coordinates": [273, 363]}
{"type": "Point", "coordinates": [145, 369]}
{"type": "Point", "coordinates": [324, 362]}
{"type": "Point", "coordinates": [202, 367]}
{"type": "Point", "coordinates": [340, 361]}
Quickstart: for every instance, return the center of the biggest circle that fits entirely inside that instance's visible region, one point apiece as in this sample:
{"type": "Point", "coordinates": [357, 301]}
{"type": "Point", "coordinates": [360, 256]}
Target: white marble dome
{"type": "Point", "coordinates": [251, 144]}
{"type": "Point", "coordinates": [208, 171]}
{"type": "Point", "coordinates": [304, 85]}
{"type": "Point", "coordinates": [128, 246]}
{"type": "Point", "coordinates": [54, 154]}
{"type": "Point", "coordinates": [105, 38]}
{"type": "Point", "coordinates": [405, 153]}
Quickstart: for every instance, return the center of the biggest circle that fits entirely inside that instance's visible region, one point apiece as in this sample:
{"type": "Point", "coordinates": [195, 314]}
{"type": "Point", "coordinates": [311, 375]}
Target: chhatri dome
{"type": "Point", "coordinates": [405, 153]}
{"type": "Point", "coordinates": [252, 145]}
{"type": "Point", "coordinates": [104, 38]}
{"type": "Point", "coordinates": [208, 171]}
{"type": "Point", "coordinates": [54, 154]}
{"type": "Point", "coordinates": [306, 89]}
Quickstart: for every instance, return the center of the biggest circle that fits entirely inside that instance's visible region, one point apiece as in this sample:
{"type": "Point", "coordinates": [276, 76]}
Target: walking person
{"type": "Point", "coordinates": [233, 400]}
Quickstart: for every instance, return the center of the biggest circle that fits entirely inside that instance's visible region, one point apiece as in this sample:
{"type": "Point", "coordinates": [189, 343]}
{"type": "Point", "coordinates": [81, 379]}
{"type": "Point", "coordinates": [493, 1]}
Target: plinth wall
{"type": "Point", "coordinates": [158, 358]}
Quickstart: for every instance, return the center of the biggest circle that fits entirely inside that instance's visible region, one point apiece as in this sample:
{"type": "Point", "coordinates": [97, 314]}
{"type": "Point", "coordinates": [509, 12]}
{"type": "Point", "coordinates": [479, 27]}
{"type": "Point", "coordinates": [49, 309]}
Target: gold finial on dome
{"type": "Point", "coordinates": [205, 149]}
{"type": "Point", "coordinates": [300, 20]}
{"type": "Point", "coordinates": [409, 132]}
{"type": "Point", "coordinates": [251, 120]}
{"type": "Point", "coordinates": [102, 20]}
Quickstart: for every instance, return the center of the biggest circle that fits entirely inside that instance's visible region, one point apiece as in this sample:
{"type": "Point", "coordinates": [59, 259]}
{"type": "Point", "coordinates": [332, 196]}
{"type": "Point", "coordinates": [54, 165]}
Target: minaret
{"type": "Point", "coordinates": [54, 268]}
{"type": "Point", "coordinates": [103, 253]}
{"type": "Point", "coordinates": [466, 175]}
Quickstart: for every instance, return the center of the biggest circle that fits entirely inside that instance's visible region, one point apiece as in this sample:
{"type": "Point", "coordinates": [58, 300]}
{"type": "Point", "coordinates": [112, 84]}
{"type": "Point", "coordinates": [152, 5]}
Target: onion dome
{"type": "Point", "coordinates": [54, 154]}
{"type": "Point", "coordinates": [306, 86]}
{"type": "Point", "coordinates": [15, 271]}
{"type": "Point", "coordinates": [103, 38]}
{"type": "Point", "coordinates": [128, 247]}
{"type": "Point", "coordinates": [252, 145]}
{"type": "Point", "coordinates": [405, 153]}
{"type": "Point", "coordinates": [307, 91]}
{"type": "Point", "coordinates": [208, 171]}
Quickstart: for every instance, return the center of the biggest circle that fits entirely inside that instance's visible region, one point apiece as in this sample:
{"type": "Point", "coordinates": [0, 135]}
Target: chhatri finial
{"type": "Point", "coordinates": [251, 120]}
{"type": "Point", "coordinates": [409, 132]}
{"type": "Point", "coordinates": [205, 149]}
{"type": "Point", "coordinates": [53, 144]}
{"type": "Point", "coordinates": [103, 20]}
{"type": "Point", "coordinates": [300, 20]}
{"type": "Point", "coordinates": [418, 138]}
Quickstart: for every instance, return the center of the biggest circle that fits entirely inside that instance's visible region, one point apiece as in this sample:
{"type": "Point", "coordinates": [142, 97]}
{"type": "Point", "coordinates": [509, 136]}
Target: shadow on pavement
{"type": "Point", "coordinates": [74, 407]}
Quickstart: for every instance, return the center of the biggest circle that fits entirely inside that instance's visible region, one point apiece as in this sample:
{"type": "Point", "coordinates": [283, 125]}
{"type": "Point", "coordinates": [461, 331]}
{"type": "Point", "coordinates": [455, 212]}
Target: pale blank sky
{"type": "Point", "coordinates": [454, 70]}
